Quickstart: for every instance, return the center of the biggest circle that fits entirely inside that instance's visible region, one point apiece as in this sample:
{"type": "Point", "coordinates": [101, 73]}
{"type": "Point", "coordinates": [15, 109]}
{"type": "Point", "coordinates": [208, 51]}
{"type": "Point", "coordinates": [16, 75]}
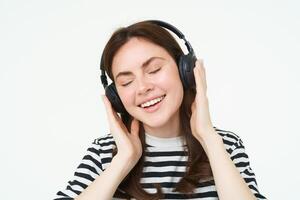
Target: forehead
{"type": "Point", "coordinates": [134, 53]}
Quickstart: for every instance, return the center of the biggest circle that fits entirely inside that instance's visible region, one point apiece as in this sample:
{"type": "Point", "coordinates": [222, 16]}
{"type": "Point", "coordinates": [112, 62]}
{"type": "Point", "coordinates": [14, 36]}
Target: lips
{"type": "Point", "coordinates": [155, 107]}
{"type": "Point", "coordinates": [149, 99]}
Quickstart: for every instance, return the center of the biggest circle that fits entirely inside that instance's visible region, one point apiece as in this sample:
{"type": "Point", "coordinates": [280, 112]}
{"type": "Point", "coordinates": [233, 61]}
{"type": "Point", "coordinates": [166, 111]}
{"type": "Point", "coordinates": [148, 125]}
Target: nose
{"type": "Point", "coordinates": [144, 86]}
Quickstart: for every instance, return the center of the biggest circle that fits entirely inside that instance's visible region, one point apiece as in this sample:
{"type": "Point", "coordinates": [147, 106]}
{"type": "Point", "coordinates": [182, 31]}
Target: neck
{"type": "Point", "coordinates": [168, 130]}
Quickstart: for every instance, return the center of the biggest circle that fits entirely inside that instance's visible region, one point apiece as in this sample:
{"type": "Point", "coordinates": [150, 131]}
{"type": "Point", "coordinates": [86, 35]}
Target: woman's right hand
{"type": "Point", "coordinates": [128, 143]}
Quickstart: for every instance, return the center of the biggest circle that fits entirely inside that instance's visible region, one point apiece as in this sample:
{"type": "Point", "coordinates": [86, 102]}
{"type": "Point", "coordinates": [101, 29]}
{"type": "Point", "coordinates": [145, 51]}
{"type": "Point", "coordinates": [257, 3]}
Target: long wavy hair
{"type": "Point", "coordinates": [198, 167]}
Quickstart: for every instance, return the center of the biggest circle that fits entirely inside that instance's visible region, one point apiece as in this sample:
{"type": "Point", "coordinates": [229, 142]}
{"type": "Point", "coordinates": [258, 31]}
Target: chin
{"type": "Point", "coordinates": [154, 123]}
{"type": "Point", "coordinates": [157, 120]}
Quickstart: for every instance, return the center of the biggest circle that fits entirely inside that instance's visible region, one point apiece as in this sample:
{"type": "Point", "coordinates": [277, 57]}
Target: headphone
{"type": "Point", "coordinates": [185, 64]}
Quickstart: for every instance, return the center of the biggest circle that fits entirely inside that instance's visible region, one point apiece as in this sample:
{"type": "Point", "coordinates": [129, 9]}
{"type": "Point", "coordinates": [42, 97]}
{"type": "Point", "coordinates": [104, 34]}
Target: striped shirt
{"type": "Point", "coordinates": [165, 163]}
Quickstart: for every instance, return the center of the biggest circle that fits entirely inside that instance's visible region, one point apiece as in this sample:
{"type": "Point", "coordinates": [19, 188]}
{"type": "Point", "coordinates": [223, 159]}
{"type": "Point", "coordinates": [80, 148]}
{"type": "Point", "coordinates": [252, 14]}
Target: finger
{"type": "Point", "coordinates": [197, 76]}
{"type": "Point", "coordinates": [203, 75]}
{"type": "Point", "coordinates": [135, 127]}
{"type": "Point", "coordinates": [111, 114]}
{"type": "Point", "coordinates": [107, 106]}
{"type": "Point", "coordinates": [117, 128]}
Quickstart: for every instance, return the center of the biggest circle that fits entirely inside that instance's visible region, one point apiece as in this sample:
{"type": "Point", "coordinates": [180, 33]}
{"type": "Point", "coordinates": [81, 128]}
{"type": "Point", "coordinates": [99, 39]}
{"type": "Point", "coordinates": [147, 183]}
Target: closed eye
{"type": "Point", "coordinates": [126, 83]}
{"type": "Point", "coordinates": [153, 72]}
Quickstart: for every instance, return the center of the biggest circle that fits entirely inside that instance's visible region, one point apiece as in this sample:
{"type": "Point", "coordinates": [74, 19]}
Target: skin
{"type": "Point", "coordinates": [229, 183]}
{"type": "Point", "coordinates": [144, 84]}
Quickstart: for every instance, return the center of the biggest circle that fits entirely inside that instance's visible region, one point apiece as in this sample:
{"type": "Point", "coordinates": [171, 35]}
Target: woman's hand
{"type": "Point", "coordinates": [200, 122]}
{"type": "Point", "coordinates": [128, 143]}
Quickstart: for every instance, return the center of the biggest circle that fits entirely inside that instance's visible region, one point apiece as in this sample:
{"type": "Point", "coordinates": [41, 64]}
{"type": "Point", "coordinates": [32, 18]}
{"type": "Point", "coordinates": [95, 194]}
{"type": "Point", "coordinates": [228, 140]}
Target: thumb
{"type": "Point", "coordinates": [135, 125]}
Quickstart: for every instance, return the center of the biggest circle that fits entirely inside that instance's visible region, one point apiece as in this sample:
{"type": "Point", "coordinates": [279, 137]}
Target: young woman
{"type": "Point", "coordinates": [164, 145]}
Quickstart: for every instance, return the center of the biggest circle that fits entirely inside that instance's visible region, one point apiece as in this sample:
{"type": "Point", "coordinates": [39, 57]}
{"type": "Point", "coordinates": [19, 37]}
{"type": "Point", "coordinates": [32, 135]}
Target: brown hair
{"type": "Point", "coordinates": [198, 167]}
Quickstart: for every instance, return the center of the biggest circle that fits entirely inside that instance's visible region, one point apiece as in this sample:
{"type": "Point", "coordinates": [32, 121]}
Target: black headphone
{"type": "Point", "coordinates": [185, 64]}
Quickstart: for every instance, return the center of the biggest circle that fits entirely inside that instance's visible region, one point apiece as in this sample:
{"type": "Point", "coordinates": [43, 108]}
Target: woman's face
{"type": "Point", "coordinates": [144, 71]}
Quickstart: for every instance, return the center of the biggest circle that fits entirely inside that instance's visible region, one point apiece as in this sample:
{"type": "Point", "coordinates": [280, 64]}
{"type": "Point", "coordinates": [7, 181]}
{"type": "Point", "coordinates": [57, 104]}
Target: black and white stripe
{"type": "Point", "coordinates": [163, 165]}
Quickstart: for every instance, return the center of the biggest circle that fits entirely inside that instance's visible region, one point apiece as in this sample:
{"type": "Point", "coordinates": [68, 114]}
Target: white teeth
{"type": "Point", "coordinates": [154, 101]}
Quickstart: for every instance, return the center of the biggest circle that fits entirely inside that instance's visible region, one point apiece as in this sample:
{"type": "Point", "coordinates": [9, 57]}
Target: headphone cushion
{"type": "Point", "coordinates": [112, 95]}
{"type": "Point", "coordinates": [186, 65]}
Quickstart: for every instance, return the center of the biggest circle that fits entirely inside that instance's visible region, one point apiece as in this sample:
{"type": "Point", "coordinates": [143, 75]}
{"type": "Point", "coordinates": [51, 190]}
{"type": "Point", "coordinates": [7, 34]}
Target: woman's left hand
{"type": "Point", "coordinates": [200, 122]}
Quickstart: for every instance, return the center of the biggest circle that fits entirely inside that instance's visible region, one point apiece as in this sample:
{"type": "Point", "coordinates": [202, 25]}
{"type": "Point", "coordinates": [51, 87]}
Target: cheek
{"type": "Point", "coordinates": [173, 82]}
{"type": "Point", "coordinates": [170, 79]}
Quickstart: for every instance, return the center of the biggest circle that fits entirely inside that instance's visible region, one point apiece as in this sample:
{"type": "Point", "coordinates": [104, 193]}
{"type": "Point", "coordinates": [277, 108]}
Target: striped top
{"type": "Point", "coordinates": [165, 163]}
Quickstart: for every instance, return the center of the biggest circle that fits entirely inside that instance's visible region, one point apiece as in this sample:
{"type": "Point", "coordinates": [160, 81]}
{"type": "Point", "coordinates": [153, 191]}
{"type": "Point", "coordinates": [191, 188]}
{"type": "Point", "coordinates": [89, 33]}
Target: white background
{"type": "Point", "coordinates": [50, 105]}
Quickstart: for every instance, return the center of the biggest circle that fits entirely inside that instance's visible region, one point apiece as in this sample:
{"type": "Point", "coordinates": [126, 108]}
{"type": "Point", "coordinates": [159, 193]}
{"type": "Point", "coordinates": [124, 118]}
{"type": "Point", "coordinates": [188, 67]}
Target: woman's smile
{"type": "Point", "coordinates": [153, 105]}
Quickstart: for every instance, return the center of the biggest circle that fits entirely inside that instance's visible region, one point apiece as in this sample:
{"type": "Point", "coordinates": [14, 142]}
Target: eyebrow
{"type": "Point", "coordinates": [146, 63]}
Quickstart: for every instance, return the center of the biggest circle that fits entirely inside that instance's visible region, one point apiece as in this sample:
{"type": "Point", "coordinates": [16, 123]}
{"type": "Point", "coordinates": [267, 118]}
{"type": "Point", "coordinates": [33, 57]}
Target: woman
{"type": "Point", "coordinates": [163, 144]}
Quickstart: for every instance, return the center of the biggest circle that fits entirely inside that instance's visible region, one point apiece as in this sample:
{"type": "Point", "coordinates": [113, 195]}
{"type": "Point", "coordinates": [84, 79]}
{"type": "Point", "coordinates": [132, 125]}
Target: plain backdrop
{"type": "Point", "coordinates": [50, 105]}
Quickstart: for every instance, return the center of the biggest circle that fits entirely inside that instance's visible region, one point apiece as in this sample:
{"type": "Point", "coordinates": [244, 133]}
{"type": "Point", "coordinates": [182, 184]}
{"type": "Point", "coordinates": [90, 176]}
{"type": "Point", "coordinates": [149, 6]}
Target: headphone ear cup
{"type": "Point", "coordinates": [113, 97]}
{"type": "Point", "coordinates": [186, 65]}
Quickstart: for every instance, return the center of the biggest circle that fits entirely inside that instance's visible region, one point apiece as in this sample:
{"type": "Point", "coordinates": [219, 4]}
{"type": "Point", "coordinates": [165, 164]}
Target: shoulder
{"type": "Point", "coordinates": [104, 140]}
{"type": "Point", "coordinates": [231, 140]}
{"type": "Point", "coordinates": [103, 145]}
{"type": "Point", "coordinates": [101, 149]}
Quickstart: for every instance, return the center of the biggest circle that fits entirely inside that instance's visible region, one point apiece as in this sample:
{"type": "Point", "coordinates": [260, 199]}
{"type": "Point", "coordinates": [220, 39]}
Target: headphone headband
{"type": "Point", "coordinates": [174, 30]}
{"type": "Point", "coordinates": [159, 23]}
